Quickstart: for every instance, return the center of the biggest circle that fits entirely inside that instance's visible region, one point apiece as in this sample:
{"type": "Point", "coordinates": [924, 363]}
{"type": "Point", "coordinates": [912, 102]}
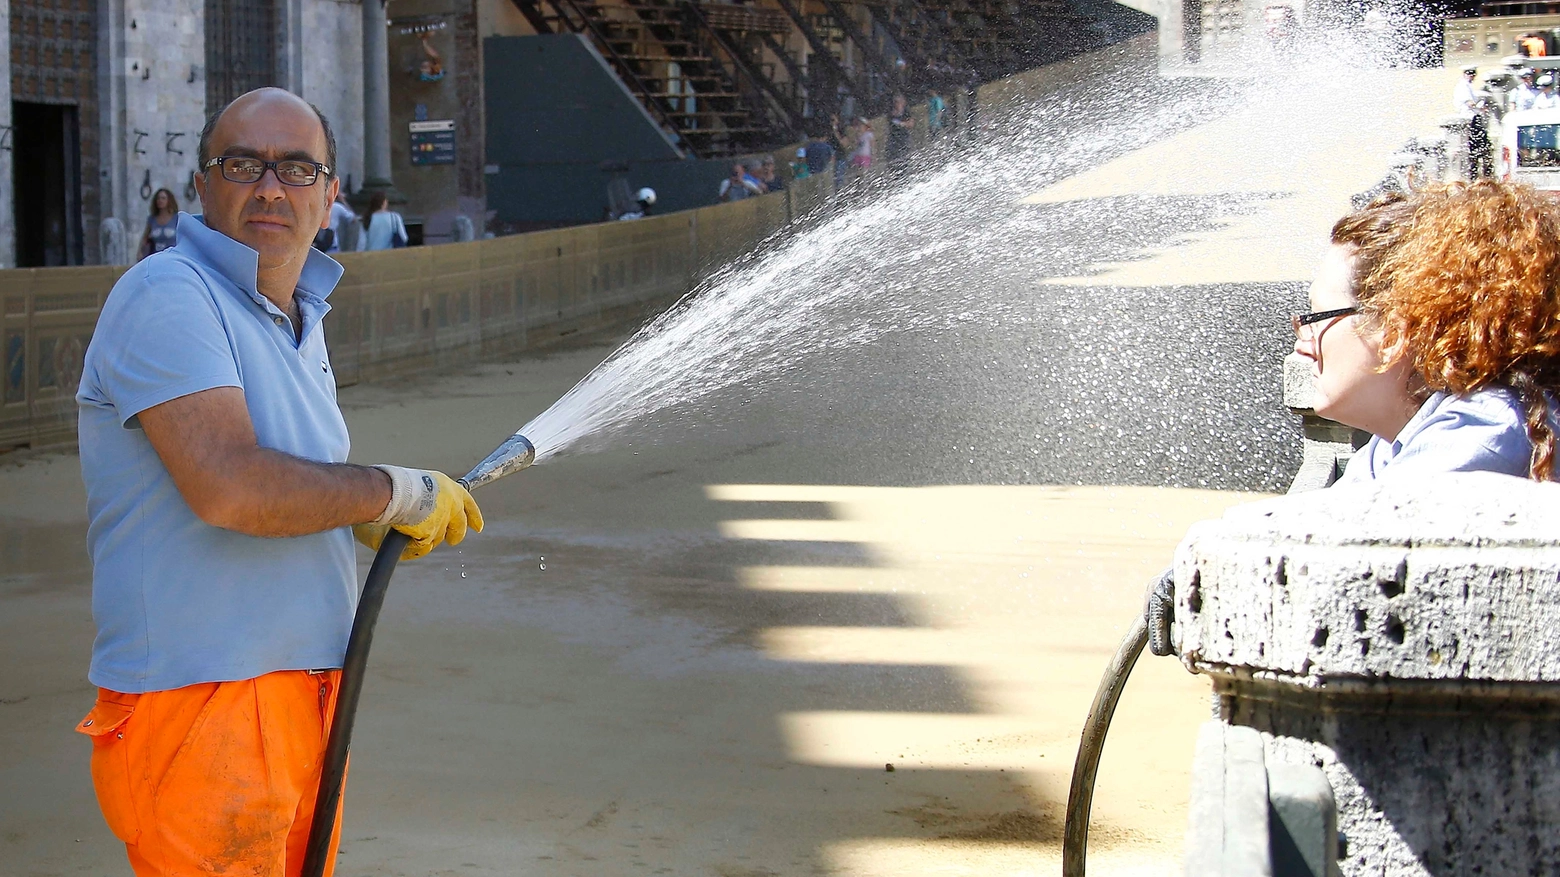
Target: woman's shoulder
{"type": "Point", "coordinates": [1480, 431]}
{"type": "Point", "coordinates": [1492, 406]}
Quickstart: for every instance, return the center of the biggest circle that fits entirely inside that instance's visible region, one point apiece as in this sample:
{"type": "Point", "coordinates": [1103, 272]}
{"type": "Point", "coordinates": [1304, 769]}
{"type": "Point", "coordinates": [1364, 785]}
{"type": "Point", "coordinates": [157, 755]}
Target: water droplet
{"type": "Point", "coordinates": [543, 566]}
{"type": "Point", "coordinates": [463, 575]}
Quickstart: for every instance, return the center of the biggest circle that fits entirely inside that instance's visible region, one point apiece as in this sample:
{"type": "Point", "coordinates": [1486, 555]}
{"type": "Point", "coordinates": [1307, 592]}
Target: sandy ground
{"type": "Point", "coordinates": [708, 677]}
{"type": "Point", "coordinates": [697, 655]}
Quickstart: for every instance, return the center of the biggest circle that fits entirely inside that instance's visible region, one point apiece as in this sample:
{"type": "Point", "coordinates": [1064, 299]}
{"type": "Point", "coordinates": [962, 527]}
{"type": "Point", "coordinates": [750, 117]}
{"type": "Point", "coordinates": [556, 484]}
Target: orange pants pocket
{"type": "Point", "coordinates": [213, 778]}
{"type": "Point", "coordinates": [112, 778]}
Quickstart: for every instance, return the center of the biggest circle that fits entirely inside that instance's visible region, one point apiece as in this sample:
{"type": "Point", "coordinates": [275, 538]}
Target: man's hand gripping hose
{"type": "Point", "coordinates": [429, 507]}
{"type": "Point", "coordinates": [1152, 628]}
{"type": "Point", "coordinates": [426, 508]}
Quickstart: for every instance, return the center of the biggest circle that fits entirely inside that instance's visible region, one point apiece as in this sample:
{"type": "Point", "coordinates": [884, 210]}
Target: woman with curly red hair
{"type": "Point", "coordinates": [1435, 326]}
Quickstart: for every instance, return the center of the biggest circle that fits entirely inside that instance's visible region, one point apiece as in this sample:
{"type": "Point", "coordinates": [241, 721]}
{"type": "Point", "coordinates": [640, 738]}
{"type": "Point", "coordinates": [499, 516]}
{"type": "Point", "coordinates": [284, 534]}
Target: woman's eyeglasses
{"type": "Point", "coordinates": [1299, 321]}
{"type": "Point", "coordinates": [290, 172]}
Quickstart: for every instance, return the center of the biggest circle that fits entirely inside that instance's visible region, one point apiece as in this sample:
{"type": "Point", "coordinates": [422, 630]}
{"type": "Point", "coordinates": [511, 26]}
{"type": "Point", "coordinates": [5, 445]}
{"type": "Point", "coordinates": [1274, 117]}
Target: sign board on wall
{"type": "Point", "coordinates": [433, 141]}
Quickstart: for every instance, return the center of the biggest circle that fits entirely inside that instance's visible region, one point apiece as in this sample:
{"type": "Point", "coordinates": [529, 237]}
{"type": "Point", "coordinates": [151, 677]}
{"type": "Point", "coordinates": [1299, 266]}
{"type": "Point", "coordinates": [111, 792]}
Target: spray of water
{"type": "Point", "coordinates": [803, 296]}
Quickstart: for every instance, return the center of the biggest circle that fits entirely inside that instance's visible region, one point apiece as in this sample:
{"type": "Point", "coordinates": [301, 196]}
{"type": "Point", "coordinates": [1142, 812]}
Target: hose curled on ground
{"type": "Point", "coordinates": [1152, 627]}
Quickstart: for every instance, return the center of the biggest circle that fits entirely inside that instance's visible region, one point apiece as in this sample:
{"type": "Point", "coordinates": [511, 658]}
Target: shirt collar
{"type": "Point", "coordinates": [240, 265]}
{"type": "Point", "coordinates": [1427, 410]}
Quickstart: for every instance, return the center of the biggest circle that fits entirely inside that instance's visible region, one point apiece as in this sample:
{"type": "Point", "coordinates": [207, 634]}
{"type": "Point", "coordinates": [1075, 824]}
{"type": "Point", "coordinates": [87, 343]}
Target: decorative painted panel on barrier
{"type": "Point", "coordinates": [46, 320]}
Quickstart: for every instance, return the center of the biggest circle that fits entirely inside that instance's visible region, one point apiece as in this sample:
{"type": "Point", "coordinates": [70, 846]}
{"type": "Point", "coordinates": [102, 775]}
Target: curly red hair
{"type": "Point", "coordinates": [1464, 280]}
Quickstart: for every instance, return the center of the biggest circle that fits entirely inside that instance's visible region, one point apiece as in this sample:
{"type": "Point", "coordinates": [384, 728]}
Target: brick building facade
{"type": "Point", "coordinates": [105, 99]}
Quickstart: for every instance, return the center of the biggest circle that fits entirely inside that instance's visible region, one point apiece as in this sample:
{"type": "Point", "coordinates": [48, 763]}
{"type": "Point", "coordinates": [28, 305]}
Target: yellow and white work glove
{"type": "Point", "coordinates": [428, 506]}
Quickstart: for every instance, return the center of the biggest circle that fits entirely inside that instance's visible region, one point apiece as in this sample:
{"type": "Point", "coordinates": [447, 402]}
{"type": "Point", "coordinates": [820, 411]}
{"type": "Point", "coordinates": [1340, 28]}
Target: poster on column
{"type": "Point", "coordinates": [433, 141]}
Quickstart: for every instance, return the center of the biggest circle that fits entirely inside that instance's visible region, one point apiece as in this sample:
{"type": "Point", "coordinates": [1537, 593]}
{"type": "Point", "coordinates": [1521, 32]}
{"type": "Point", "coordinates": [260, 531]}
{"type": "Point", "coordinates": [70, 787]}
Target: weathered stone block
{"type": "Point", "coordinates": [1399, 636]}
{"type": "Point", "coordinates": [1457, 580]}
{"type": "Point", "coordinates": [1229, 824]}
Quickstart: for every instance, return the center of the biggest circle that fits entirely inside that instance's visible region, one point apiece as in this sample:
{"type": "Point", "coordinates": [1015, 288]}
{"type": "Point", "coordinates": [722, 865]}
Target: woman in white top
{"type": "Point", "coordinates": [1435, 326]}
{"type": "Point", "coordinates": [384, 227]}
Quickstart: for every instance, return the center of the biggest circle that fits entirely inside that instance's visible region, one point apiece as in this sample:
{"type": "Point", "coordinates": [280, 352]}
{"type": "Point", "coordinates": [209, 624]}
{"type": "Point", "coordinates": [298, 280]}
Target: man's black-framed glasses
{"type": "Point", "coordinates": [289, 171]}
{"type": "Point", "coordinates": [1300, 320]}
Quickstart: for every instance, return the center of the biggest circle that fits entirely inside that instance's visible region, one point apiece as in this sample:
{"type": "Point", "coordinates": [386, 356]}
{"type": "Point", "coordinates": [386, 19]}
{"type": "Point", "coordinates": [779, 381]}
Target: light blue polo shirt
{"type": "Point", "coordinates": [178, 601]}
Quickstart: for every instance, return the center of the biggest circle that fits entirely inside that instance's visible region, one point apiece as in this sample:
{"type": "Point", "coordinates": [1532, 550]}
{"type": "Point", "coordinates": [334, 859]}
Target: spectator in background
{"type": "Point", "coordinates": [161, 226]}
{"type": "Point", "coordinates": [769, 177]}
{"type": "Point", "coordinates": [1522, 96]}
{"type": "Point", "coordinates": [341, 217]}
{"type": "Point", "coordinates": [819, 153]}
{"type": "Point", "coordinates": [799, 168]}
{"type": "Point", "coordinates": [971, 103]}
{"type": "Point", "coordinates": [839, 137]}
{"type": "Point", "coordinates": [1465, 97]}
{"type": "Point", "coordinates": [1546, 99]}
{"type": "Point", "coordinates": [739, 185]}
{"type": "Point", "coordinates": [384, 228]}
{"type": "Point", "coordinates": [900, 123]}
{"type": "Point", "coordinates": [935, 107]}
{"type": "Point", "coordinates": [750, 169]}
{"type": "Point", "coordinates": [861, 155]}
{"type": "Point", "coordinates": [644, 200]}
{"type": "Point", "coordinates": [1469, 103]}
{"type": "Point", "coordinates": [1532, 45]}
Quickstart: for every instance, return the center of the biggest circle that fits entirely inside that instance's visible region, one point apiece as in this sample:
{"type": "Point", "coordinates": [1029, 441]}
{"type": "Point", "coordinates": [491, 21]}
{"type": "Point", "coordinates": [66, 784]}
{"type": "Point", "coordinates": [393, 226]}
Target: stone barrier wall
{"type": "Point", "coordinates": [403, 310]}
{"type": "Point", "coordinates": [1398, 637]}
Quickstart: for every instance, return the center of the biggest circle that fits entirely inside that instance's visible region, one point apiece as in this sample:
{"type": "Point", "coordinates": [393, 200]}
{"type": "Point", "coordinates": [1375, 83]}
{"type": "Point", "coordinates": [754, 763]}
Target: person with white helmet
{"type": "Point", "coordinates": [646, 199]}
{"type": "Point", "coordinates": [1546, 99]}
{"type": "Point", "coordinates": [1465, 97]}
{"type": "Point", "coordinates": [1472, 104]}
{"type": "Point", "coordinates": [1523, 95]}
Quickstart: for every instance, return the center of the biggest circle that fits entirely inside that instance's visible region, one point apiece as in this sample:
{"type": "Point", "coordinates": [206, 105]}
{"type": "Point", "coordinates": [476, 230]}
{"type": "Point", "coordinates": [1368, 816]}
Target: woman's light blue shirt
{"type": "Point", "coordinates": [1484, 431]}
{"type": "Point", "coordinates": [382, 228]}
{"type": "Point", "coordinates": [178, 601]}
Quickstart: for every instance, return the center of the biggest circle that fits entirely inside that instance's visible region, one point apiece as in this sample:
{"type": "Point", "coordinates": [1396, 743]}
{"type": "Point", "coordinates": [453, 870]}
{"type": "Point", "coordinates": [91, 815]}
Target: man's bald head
{"type": "Point", "coordinates": [276, 219]}
{"type": "Point", "coordinates": [262, 99]}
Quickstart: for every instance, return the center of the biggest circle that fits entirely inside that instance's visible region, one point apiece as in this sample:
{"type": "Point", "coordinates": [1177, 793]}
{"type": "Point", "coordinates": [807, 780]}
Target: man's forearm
{"type": "Point", "coordinates": [269, 493]}
{"type": "Point", "coordinates": [207, 442]}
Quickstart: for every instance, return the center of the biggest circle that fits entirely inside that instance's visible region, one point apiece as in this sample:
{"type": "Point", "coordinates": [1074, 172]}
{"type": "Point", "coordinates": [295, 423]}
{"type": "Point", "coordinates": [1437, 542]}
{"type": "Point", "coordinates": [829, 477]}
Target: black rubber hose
{"type": "Point", "coordinates": [1159, 611]}
{"type": "Point", "coordinates": [1080, 797]}
{"type": "Point", "coordinates": [351, 685]}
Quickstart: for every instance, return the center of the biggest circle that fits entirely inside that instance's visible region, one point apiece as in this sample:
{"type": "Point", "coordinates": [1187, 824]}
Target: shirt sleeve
{"type": "Point", "coordinates": [161, 337]}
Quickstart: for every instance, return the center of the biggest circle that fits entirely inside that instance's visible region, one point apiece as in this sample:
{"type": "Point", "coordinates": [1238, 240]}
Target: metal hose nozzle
{"type": "Point", "coordinates": [514, 454]}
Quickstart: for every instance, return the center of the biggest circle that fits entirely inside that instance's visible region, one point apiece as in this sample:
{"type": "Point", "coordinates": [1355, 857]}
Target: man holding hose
{"type": "Point", "coordinates": [224, 578]}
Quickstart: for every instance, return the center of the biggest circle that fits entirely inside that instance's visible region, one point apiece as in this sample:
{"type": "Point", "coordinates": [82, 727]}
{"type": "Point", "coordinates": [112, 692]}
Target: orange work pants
{"type": "Point", "coordinates": [214, 778]}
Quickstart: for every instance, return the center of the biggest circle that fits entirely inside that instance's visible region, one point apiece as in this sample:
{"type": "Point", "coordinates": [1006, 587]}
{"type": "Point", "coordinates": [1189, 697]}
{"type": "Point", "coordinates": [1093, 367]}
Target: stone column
{"type": "Point", "coordinates": [112, 87]}
{"type": "Point", "coordinates": [1401, 637]}
{"type": "Point", "coordinates": [376, 97]}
